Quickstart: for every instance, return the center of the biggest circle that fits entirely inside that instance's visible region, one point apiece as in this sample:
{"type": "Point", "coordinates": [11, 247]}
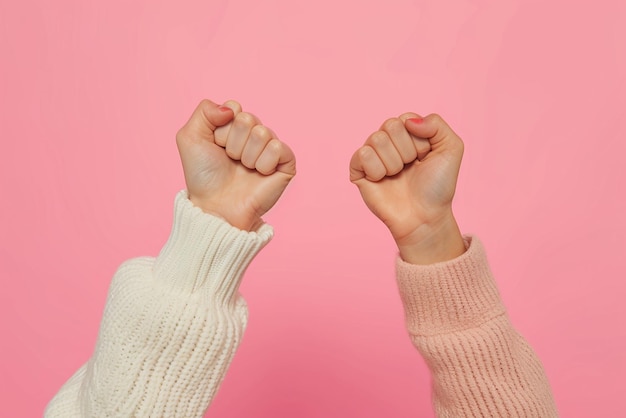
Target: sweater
{"type": "Point", "coordinates": [480, 365]}
{"type": "Point", "coordinates": [171, 326]}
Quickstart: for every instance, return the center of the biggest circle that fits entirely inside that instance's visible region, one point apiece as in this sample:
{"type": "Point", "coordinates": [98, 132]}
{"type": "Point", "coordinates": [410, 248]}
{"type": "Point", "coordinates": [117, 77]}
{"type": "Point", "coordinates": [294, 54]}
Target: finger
{"type": "Point", "coordinates": [401, 139]}
{"type": "Point", "coordinates": [258, 139]}
{"type": "Point", "coordinates": [239, 133]}
{"type": "Point", "coordinates": [357, 171]}
{"type": "Point", "coordinates": [366, 163]}
{"type": "Point", "coordinates": [276, 156]}
{"type": "Point", "coordinates": [286, 160]}
{"type": "Point", "coordinates": [381, 143]}
{"type": "Point", "coordinates": [422, 145]}
{"type": "Point", "coordinates": [205, 119]}
{"type": "Point", "coordinates": [403, 117]}
{"type": "Point", "coordinates": [272, 132]}
{"type": "Point", "coordinates": [268, 160]}
{"type": "Point", "coordinates": [431, 127]}
{"type": "Point", "coordinates": [221, 133]}
{"type": "Point", "coordinates": [234, 105]}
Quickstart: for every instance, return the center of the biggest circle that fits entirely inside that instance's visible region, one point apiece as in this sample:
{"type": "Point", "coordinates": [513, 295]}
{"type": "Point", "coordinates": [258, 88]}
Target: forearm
{"type": "Point", "coordinates": [480, 365]}
{"type": "Point", "coordinates": [171, 325]}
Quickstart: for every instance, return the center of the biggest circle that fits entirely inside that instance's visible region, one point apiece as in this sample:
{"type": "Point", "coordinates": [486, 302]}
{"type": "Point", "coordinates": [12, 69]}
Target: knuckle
{"type": "Point", "coordinates": [436, 117]}
{"type": "Point", "coordinates": [391, 124]}
{"type": "Point", "coordinates": [409, 158]}
{"type": "Point", "coordinates": [265, 170]}
{"type": "Point", "coordinates": [422, 146]}
{"type": "Point", "coordinates": [261, 132]}
{"type": "Point", "coordinates": [204, 105]}
{"type": "Point", "coordinates": [231, 153]}
{"type": "Point", "coordinates": [275, 146]}
{"type": "Point", "coordinates": [247, 163]}
{"type": "Point", "coordinates": [233, 104]}
{"type": "Point", "coordinates": [363, 153]}
{"type": "Point", "coordinates": [378, 139]}
{"type": "Point", "coordinates": [408, 115]}
{"type": "Point", "coordinates": [245, 118]}
{"type": "Point", "coordinates": [394, 170]}
{"type": "Point", "coordinates": [377, 174]}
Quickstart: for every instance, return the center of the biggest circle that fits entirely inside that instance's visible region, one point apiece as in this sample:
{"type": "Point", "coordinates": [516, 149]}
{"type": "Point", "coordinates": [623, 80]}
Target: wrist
{"type": "Point", "coordinates": [215, 208]}
{"type": "Point", "coordinates": [433, 242]}
{"type": "Point", "coordinates": [204, 253]}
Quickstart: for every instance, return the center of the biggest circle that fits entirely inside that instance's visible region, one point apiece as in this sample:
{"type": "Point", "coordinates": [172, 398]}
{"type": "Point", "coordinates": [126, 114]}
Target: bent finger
{"type": "Point", "coordinates": [221, 133]}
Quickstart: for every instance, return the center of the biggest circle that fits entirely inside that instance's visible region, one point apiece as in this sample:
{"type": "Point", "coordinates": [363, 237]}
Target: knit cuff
{"type": "Point", "coordinates": [204, 253]}
{"type": "Point", "coordinates": [451, 295]}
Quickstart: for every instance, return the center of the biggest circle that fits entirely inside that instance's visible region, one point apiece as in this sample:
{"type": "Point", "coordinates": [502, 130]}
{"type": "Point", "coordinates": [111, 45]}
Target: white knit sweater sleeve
{"type": "Point", "coordinates": [170, 327]}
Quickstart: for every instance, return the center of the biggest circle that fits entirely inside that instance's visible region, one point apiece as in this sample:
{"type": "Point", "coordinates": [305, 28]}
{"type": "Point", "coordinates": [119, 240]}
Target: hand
{"type": "Point", "coordinates": [234, 166]}
{"type": "Point", "coordinates": [406, 173]}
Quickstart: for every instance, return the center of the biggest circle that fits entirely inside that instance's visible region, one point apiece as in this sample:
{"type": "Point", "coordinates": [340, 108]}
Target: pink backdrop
{"type": "Point", "coordinates": [92, 93]}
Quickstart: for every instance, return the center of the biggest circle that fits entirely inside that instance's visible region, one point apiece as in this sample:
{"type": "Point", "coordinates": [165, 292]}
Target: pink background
{"type": "Point", "coordinates": [92, 93]}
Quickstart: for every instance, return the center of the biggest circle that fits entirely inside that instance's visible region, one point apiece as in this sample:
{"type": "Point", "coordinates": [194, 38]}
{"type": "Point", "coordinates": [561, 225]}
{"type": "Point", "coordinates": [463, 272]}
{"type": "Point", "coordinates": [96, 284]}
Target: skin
{"type": "Point", "coordinates": [234, 166]}
{"type": "Point", "coordinates": [406, 173]}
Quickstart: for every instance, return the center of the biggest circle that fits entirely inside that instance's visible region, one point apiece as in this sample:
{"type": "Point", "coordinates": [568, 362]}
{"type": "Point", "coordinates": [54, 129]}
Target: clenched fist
{"type": "Point", "coordinates": [234, 166]}
{"type": "Point", "coordinates": [406, 173]}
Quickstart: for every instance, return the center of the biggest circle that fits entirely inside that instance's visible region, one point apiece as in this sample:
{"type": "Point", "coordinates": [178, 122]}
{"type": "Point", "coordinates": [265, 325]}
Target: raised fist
{"type": "Point", "coordinates": [407, 173]}
{"type": "Point", "coordinates": [234, 166]}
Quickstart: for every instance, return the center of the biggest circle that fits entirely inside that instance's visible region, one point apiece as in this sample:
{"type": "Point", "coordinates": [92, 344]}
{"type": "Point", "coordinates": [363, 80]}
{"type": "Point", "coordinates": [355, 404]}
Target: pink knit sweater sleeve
{"type": "Point", "coordinates": [480, 365]}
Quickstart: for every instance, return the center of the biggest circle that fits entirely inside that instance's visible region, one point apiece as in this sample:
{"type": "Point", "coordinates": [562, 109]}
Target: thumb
{"type": "Point", "coordinates": [431, 127]}
{"type": "Point", "coordinates": [206, 118]}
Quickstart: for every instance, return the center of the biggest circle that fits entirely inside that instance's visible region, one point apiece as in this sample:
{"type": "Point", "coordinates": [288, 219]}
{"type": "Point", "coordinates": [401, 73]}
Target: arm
{"type": "Point", "coordinates": [172, 324]}
{"type": "Point", "coordinates": [406, 173]}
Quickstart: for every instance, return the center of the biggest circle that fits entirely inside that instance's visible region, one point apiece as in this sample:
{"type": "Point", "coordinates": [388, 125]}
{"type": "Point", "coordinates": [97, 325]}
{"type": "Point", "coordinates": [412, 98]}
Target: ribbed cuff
{"type": "Point", "coordinates": [449, 296]}
{"type": "Point", "coordinates": [205, 253]}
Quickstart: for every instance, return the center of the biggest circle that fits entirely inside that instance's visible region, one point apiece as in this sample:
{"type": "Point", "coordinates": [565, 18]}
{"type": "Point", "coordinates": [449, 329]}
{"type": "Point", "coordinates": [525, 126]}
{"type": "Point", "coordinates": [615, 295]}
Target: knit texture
{"type": "Point", "coordinates": [170, 327]}
{"type": "Point", "coordinates": [480, 365]}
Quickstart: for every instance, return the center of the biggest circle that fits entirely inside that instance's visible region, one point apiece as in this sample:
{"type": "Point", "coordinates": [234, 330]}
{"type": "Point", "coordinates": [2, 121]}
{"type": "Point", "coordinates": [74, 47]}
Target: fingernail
{"type": "Point", "coordinates": [224, 108]}
{"type": "Point", "coordinates": [416, 120]}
